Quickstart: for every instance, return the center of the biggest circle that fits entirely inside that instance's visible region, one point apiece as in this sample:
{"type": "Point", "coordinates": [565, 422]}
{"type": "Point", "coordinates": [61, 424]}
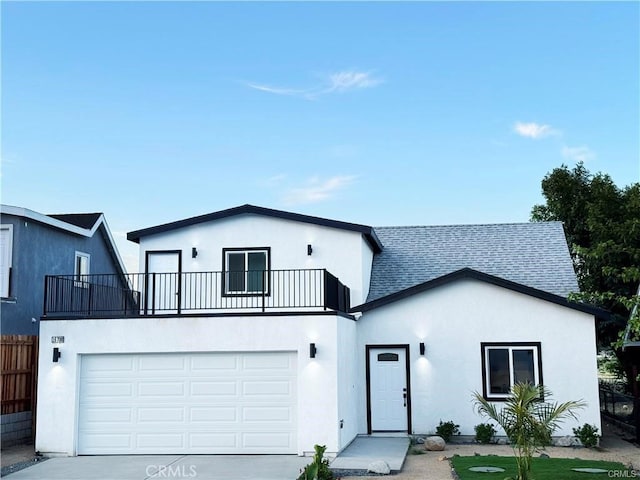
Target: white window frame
{"type": "Point", "coordinates": [79, 276]}
{"type": "Point", "coordinates": [9, 266]}
{"type": "Point", "coordinates": [246, 251]}
{"type": "Point", "coordinates": [534, 347]}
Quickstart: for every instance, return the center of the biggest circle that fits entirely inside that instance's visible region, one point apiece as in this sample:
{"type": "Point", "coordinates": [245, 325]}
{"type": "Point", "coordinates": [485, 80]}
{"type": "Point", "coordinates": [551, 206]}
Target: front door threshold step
{"type": "Point", "coordinates": [365, 449]}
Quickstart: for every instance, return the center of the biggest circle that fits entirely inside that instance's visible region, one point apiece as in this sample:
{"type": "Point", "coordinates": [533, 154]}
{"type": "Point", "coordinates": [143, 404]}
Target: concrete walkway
{"type": "Point", "coordinates": [151, 467]}
{"type": "Point", "coordinates": [356, 458]}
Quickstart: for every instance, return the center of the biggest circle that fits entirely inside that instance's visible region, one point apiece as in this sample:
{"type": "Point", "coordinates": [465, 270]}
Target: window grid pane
{"type": "Point", "coordinates": [499, 370]}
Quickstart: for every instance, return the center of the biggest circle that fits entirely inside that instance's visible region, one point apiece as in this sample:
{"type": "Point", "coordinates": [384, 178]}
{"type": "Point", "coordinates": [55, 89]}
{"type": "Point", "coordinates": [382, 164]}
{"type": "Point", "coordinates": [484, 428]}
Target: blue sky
{"type": "Point", "coordinates": [375, 113]}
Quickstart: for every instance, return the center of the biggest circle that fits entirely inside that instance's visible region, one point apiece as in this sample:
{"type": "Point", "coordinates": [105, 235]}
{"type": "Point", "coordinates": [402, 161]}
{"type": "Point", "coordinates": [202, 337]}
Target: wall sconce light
{"type": "Point", "coordinates": [56, 354]}
{"type": "Point", "coordinates": [194, 252]}
{"type": "Point", "coordinates": [312, 350]}
{"type": "Point", "coordinates": [422, 348]}
{"type": "Point", "coordinates": [309, 250]}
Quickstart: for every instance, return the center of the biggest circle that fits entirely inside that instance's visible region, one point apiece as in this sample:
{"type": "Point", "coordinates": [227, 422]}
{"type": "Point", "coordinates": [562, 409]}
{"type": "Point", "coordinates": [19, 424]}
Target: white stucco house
{"type": "Point", "coordinates": [252, 330]}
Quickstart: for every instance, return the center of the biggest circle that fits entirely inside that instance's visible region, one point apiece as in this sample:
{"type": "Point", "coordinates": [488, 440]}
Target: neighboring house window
{"type": "Point", "coordinates": [245, 270]}
{"type": "Point", "coordinates": [505, 364]}
{"type": "Point", "coordinates": [6, 255]}
{"type": "Point", "coordinates": [81, 269]}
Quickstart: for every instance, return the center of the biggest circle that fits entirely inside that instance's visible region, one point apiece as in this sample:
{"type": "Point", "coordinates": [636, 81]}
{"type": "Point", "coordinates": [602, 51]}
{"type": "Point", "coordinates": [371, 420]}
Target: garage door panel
{"type": "Point", "coordinates": [266, 414]}
{"type": "Point", "coordinates": [219, 441]}
{"type": "Point", "coordinates": [214, 414]}
{"type": "Point", "coordinates": [161, 389]}
{"type": "Point", "coordinates": [214, 388]}
{"type": "Point", "coordinates": [109, 441]}
{"type": "Point", "coordinates": [267, 388]}
{"type": "Point", "coordinates": [160, 440]}
{"type": "Point", "coordinates": [220, 363]}
{"type": "Point", "coordinates": [202, 403]}
{"type": "Point", "coordinates": [150, 414]}
{"type": "Point", "coordinates": [105, 390]}
{"type": "Point", "coordinates": [252, 440]}
{"type": "Point", "coordinates": [271, 362]}
{"type": "Point", "coordinates": [108, 415]}
{"type": "Point", "coordinates": [162, 363]}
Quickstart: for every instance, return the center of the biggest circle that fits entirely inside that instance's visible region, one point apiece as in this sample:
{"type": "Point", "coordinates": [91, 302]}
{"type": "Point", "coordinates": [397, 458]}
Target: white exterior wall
{"type": "Point", "coordinates": [453, 320]}
{"type": "Point", "coordinates": [318, 386]}
{"type": "Point", "coordinates": [343, 253]}
{"type": "Point", "coordinates": [349, 380]}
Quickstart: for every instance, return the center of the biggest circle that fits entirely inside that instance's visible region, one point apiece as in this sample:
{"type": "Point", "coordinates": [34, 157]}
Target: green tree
{"type": "Point", "coordinates": [527, 420]}
{"type": "Point", "coordinates": [602, 224]}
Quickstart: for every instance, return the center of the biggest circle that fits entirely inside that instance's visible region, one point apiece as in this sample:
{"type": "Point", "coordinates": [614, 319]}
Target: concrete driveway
{"type": "Point", "coordinates": [158, 467]}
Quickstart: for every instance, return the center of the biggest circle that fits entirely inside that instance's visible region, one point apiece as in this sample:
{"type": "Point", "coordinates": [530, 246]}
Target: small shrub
{"type": "Point", "coordinates": [484, 433]}
{"type": "Point", "coordinates": [446, 430]}
{"type": "Point", "coordinates": [318, 469]}
{"type": "Point", "coordinates": [588, 435]}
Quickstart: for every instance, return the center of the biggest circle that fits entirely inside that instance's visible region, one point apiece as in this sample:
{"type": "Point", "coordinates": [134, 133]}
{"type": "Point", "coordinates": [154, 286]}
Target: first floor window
{"type": "Point", "coordinates": [81, 270]}
{"type": "Point", "coordinates": [505, 364]}
{"type": "Point", "coordinates": [245, 270]}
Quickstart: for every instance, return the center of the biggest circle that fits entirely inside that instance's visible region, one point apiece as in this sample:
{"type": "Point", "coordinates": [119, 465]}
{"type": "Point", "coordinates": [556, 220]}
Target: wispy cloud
{"type": "Point", "coordinates": [339, 82]}
{"type": "Point", "coordinates": [578, 154]}
{"type": "Point", "coordinates": [345, 81]}
{"type": "Point", "coordinates": [534, 130]}
{"type": "Point", "coordinates": [317, 190]}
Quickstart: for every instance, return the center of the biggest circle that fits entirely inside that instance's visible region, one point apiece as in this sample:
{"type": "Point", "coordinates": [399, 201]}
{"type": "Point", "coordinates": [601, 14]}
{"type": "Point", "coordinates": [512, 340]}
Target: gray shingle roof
{"type": "Point", "coordinates": [532, 254]}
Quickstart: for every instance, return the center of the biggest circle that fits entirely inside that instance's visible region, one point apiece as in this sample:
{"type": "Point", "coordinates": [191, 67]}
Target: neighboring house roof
{"type": "Point", "coordinates": [534, 255]}
{"type": "Point", "coordinates": [83, 224]}
{"type": "Point", "coordinates": [368, 232]}
{"type": "Point", "coordinates": [466, 273]}
{"type": "Point", "coordinates": [82, 220]}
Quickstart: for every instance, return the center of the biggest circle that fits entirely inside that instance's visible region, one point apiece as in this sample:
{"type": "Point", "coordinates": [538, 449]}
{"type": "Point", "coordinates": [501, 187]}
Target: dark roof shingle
{"type": "Point", "coordinates": [82, 220]}
{"type": "Point", "coordinates": [532, 254]}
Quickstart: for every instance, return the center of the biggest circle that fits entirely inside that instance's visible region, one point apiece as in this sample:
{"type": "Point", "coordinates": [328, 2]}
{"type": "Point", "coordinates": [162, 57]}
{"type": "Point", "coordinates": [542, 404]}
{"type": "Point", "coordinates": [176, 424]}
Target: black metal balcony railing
{"type": "Point", "coordinates": [193, 292]}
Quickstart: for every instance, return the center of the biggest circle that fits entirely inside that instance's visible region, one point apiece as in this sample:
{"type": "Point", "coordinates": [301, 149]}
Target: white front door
{"type": "Point", "coordinates": [388, 389]}
{"type": "Point", "coordinates": [163, 282]}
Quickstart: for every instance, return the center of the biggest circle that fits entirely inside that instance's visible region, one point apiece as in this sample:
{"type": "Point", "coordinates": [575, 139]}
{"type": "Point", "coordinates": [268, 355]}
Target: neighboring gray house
{"type": "Point", "coordinates": [33, 245]}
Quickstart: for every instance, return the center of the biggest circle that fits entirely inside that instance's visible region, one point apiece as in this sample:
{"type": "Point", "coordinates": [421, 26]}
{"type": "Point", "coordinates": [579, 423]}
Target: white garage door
{"type": "Point", "coordinates": [188, 403]}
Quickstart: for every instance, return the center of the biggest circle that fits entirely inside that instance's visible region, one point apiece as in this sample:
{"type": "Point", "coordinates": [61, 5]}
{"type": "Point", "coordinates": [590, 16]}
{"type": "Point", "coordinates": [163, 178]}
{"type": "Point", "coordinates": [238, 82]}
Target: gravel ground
{"type": "Point", "coordinates": [20, 465]}
{"type": "Point", "coordinates": [436, 466]}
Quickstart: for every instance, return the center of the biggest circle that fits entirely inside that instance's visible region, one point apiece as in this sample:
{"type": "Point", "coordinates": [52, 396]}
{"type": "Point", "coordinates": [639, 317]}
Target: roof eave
{"type": "Point", "coordinates": [477, 275]}
{"type": "Point", "coordinates": [367, 231]}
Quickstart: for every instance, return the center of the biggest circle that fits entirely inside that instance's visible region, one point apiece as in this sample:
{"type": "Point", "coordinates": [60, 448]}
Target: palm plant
{"type": "Point", "coordinates": [528, 420]}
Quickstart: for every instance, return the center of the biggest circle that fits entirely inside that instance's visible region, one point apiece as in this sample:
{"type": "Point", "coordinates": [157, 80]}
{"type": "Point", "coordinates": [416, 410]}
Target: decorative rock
{"type": "Point", "coordinates": [380, 467]}
{"type": "Point", "coordinates": [565, 441]}
{"type": "Point", "coordinates": [544, 455]}
{"type": "Point", "coordinates": [434, 444]}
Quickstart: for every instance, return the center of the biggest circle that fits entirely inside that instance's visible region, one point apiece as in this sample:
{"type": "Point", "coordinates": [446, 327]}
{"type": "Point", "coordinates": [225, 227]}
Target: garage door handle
{"type": "Point", "coordinates": [404, 396]}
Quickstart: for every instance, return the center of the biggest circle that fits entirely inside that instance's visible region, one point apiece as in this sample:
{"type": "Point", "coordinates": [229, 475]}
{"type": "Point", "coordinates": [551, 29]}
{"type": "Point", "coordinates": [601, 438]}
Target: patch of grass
{"type": "Point", "coordinates": [542, 468]}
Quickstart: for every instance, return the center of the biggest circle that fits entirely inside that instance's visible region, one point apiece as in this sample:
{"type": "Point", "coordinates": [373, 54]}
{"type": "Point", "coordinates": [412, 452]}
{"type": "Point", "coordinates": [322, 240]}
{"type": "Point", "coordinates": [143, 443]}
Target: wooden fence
{"type": "Point", "coordinates": [19, 373]}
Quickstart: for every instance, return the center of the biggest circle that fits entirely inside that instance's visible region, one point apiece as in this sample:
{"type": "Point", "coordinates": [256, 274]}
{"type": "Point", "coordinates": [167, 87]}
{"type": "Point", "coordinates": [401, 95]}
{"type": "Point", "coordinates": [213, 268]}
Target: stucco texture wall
{"type": "Point", "coordinates": [453, 320]}
{"type": "Point", "coordinates": [343, 253]}
{"type": "Point", "coordinates": [319, 386]}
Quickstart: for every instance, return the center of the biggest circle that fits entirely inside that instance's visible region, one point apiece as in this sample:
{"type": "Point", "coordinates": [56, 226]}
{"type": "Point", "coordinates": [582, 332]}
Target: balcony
{"type": "Point", "coordinates": [144, 294]}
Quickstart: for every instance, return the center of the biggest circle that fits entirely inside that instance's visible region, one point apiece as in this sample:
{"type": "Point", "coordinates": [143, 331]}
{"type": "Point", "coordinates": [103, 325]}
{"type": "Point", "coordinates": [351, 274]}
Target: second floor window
{"type": "Point", "coordinates": [245, 271]}
{"type": "Point", "coordinates": [81, 270]}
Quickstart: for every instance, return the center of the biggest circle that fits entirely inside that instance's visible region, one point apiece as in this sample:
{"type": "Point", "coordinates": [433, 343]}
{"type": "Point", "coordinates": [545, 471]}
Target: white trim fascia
{"type": "Point", "coordinates": [53, 222]}
{"type": "Point", "coordinates": [102, 220]}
